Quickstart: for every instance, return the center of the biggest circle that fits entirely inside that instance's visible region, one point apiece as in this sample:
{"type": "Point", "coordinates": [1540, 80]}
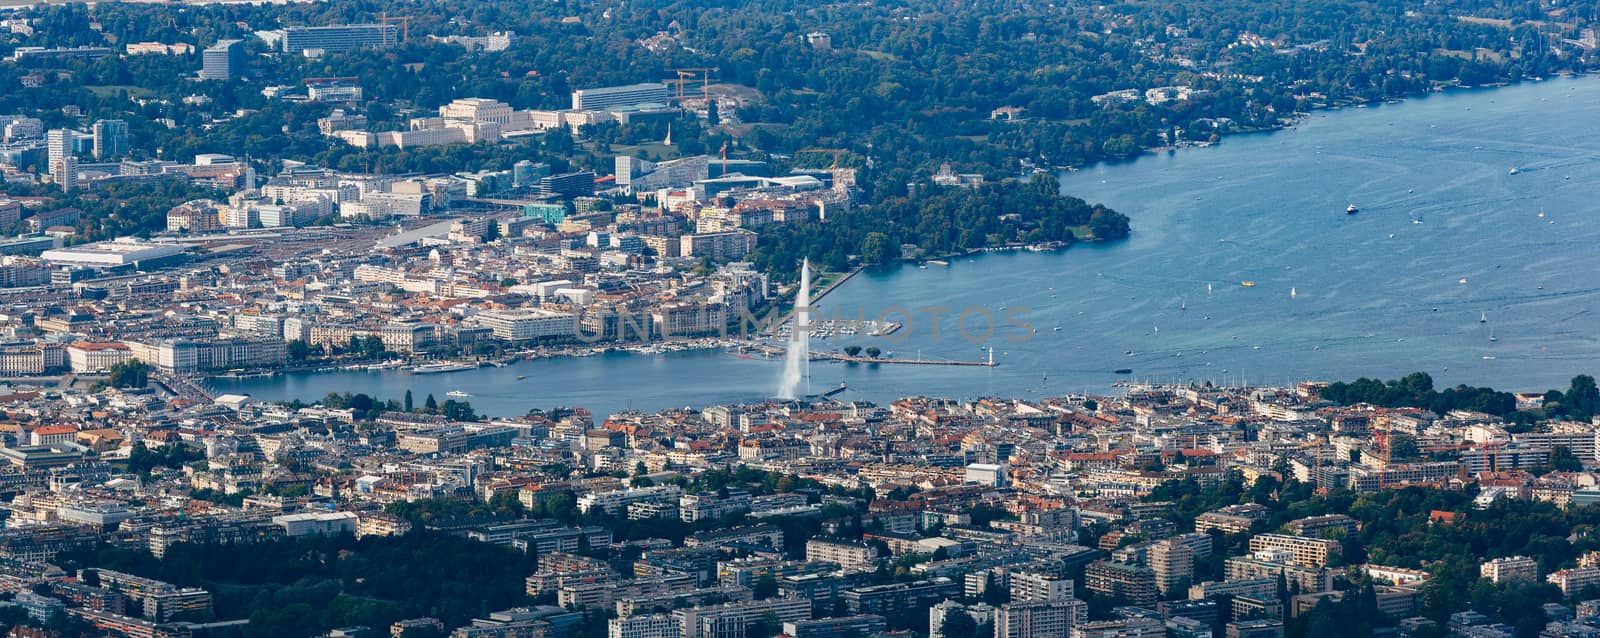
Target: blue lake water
{"type": "Point", "coordinates": [1336, 296]}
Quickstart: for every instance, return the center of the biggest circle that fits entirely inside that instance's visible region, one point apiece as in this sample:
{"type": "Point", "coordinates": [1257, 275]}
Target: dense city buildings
{"type": "Point", "coordinates": [287, 339]}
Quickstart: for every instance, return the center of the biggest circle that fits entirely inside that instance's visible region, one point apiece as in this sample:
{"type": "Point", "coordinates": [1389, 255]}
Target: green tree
{"type": "Point", "coordinates": [299, 350]}
{"type": "Point", "coordinates": [372, 347]}
{"type": "Point", "coordinates": [873, 352]}
{"type": "Point", "coordinates": [1563, 460]}
{"type": "Point", "coordinates": [959, 624]}
{"type": "Point", "coordinates": [408, 405]}
{"type": "Point", "coordinates": [852, 350]}
{"type": "Point", "coordinates": [129, 374]}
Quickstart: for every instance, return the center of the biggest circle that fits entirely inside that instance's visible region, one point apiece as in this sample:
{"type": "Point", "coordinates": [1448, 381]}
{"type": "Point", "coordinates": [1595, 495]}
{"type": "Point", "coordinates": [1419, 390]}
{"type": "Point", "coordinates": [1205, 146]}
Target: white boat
{"type": "Point", "coordinates": [436, 368]}
{"type": "Point", "coordinates": [1514, 171]}
{"type": "Point", "coordinates": [1292, 293]}
{"type": "Point", "coordinates": [1483, 317]}
{"type": "Point", "coordinates": [1351, 209]}
{"type": "Point", "coordinates": [457, 394]}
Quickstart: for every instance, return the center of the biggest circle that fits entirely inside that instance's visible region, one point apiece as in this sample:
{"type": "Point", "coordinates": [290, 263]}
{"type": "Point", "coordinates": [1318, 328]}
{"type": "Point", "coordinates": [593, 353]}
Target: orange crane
{"type": "Point", "coordinates": [704, 74]}
{"type": "Point", "coordinates": [405, 24]}
{"type": "Point", "coordinates": [1385, 451]}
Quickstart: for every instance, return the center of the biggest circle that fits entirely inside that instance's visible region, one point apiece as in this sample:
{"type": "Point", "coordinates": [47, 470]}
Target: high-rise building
{"type": "Point", "coordinates": [63, 163]}
{"type": "Point", "coordinates": [340, 37]}
{"type": "Point", "coordinates": [1173, 562]}
{"type": "Point", "coordinates": [1038, 619]}
{"type": "Point", "coordinates": [110, 139]}
{"type": "Point", "coordinates": [599, 99]}
{"type": "Point", "coordinates": [223, 60]}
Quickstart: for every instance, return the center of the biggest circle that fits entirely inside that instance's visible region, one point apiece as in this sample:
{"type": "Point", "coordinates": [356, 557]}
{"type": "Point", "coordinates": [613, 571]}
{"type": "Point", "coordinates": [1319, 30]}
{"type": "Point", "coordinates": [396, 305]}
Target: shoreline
{"type": "Point", "coordinates": [1295, 119]}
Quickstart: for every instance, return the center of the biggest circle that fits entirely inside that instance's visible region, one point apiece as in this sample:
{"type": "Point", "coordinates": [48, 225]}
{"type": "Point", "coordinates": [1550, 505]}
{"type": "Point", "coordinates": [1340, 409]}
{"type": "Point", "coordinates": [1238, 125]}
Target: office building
{"type": "Point", "coordinates": [599, 99]}
{"type": "Point", "coordinates": [63, 163]}
{"type": "Point", "coordinates": [317, 523]}
{"type": "Point", "coordinates": [987, 474]}
{"type": "Point", "coordinates": [568, 185]}
{"type": "Point", "coordinates": [223, 60]}
{"type": "Point", "coordinates": [521, 325]}
{"type": "Point", "coordinates": [338, 38]}
{"type": "Point", "coordinates": [110, 139]}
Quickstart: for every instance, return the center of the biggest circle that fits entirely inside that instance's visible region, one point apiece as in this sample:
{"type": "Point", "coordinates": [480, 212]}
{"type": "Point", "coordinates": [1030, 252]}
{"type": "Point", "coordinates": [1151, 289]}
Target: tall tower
{"type": "Point", "coordinates": [63, 163]}
{"type": "Point", "coordinates": [110, 139]}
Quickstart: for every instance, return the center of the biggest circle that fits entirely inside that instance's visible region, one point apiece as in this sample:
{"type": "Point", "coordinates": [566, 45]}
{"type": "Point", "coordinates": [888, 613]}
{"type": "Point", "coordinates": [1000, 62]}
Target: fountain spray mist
{"type": "Point", "coordinates": [798, 353]}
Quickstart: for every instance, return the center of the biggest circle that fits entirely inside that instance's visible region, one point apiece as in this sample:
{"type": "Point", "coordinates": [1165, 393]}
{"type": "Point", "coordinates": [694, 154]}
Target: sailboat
{"type": "Point", "coordinates": [1483, 317]}
{"type": "Point", "coordinates": [1208, 289]}
{"type": "Point", "coordinates": [1292, 293]}
{"type": "Point", "coordinates": [1183, 305]}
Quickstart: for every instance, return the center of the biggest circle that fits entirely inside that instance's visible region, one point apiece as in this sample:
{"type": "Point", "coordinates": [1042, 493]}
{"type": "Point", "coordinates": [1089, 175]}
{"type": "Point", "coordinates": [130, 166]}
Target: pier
{"type": "Point", "coordinates": [915, 362]}
{"type": "Point", "coordinates": [774, 353]}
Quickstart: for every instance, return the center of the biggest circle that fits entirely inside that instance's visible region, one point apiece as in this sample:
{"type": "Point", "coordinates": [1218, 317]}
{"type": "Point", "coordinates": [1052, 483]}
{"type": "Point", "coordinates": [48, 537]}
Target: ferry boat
{"type": "Point", "coordinates": [436, 368]}
{"type": "Point", "coordinates": [457, 394]}
{"type": "Point", "coordinates": [1351, 210]}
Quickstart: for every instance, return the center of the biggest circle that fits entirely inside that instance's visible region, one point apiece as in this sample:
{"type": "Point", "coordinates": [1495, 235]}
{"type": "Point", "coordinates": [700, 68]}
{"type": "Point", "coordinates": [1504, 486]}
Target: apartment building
{"type": "Point", "coordinates": [1135, 583]}
{"type": "Point", "coordinates": [1038, 619]}
{"type": "Point", "coordinates": [1311, 552]}
{"type": "Point", "coordinates": [850, 555]}
{"type": "Point", "coordinates": [1510, 568]}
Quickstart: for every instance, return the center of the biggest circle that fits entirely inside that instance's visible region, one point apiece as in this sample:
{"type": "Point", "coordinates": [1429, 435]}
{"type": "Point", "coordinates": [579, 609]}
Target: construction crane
{"type": "Point", "coordinates": [690, 73]}
{"type": "Point", "coordinates": [1381, 433]}
{"type": "Point", "coordinates": [836, 152]}
{"type": "Point", "coordinates": [405, 24]}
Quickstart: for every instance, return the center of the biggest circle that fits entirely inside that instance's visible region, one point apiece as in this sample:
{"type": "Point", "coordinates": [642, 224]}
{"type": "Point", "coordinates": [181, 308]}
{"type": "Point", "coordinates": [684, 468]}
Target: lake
{"type": "Point", "coordinates": [1454, 266]}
